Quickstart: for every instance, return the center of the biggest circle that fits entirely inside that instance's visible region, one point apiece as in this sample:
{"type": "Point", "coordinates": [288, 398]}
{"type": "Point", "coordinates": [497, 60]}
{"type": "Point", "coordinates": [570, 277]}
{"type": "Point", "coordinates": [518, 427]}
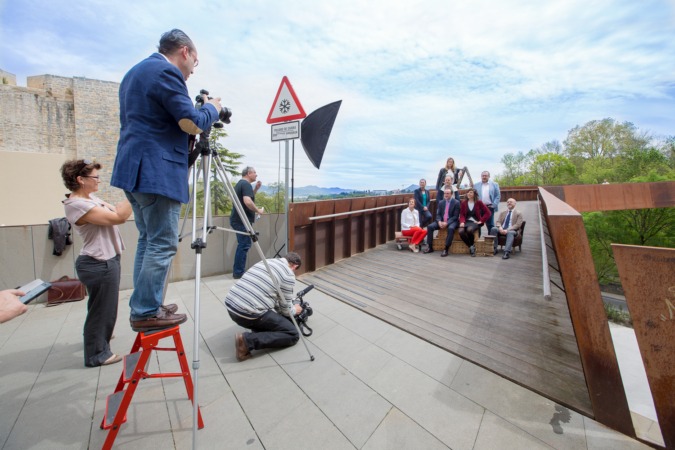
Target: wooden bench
{"type": "Point", "coordinates": [401, 240]}
{"type": "Point", "coordinates": [483, 245]}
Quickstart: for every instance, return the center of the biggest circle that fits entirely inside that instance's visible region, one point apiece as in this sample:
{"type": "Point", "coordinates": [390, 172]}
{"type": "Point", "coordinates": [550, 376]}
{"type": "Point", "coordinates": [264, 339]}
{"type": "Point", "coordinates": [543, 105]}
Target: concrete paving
{"type": "Point", "coordinates": [371, 386]}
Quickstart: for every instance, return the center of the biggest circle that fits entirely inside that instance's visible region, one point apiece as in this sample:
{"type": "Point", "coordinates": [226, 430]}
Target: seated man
{"type": "Point", "coordinates": [254, 303]}
{"type": "Point", "coordinates": [422, 202]}
{"type": "Point", "coordinates": [447, 216]}
{"type": "Point", "coordinates": [508, 223]}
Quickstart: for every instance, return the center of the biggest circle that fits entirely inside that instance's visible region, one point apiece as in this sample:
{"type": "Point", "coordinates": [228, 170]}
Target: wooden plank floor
{"type": "Point", "coordinates": [485, 309]}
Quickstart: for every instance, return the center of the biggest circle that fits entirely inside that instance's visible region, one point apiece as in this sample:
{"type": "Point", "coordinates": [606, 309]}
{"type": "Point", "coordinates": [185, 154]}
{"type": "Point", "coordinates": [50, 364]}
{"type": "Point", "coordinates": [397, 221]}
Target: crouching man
{"type": "Point", "coordinates": [254, 303]}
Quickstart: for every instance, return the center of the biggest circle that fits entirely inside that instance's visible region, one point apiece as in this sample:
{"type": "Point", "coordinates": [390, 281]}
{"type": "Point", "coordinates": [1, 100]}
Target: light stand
{"type": "Point", "coordinates": [204, 163]}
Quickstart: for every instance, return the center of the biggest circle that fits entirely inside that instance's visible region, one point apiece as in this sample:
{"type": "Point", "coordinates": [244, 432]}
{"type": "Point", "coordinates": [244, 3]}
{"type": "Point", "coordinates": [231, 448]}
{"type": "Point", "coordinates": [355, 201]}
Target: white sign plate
{"type": "Point", "coordinates": [285, 131]}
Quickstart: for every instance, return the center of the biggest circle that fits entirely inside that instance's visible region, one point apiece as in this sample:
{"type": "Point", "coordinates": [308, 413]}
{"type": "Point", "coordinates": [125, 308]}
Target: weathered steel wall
{"type": "Point", "coordinates": [598, 358]}
{"type": "Point", "coordinates": [650, 295]}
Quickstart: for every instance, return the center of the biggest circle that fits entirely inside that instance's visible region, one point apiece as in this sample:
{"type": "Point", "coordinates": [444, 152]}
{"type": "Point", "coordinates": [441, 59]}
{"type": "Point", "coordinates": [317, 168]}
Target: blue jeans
{"type": "Point", "coordinates": [491, 221]}
{"type": "Point", "coordinates": [157, 222]}
{"type": "Point", "coordinates": [243, 245]}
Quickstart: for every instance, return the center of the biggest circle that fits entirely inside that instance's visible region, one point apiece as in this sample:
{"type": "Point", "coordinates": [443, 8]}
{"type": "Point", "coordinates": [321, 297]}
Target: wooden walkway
{"type": "Point", "coordinates": [485, 309]}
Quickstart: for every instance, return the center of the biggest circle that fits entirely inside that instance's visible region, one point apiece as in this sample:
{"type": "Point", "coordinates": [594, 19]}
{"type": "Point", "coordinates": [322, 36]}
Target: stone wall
{"type": "Point", "coordinates": [71, 117]}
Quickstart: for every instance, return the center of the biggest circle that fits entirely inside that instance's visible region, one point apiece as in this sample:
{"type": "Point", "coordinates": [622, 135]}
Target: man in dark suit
{"type": "Point", "coordinates": [447, 217]}
{"type": "Point", "coordinates": [156, 117]}
{"type": "Point", "coordinates": [422, 202]}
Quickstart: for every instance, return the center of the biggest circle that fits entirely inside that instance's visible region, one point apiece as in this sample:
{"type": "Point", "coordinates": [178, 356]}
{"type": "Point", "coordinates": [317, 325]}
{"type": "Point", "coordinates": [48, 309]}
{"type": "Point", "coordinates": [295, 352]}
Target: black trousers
{"type": "Point", "coordinates": [102, 279]}
{"type": "Point", "coordinates": [466, 233]}
{"type": "Point", "coordinates": [271, 330]}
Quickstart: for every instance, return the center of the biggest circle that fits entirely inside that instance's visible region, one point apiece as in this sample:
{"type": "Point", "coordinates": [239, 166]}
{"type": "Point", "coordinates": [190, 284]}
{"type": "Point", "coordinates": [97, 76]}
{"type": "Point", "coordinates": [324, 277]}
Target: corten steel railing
{"type": "Point", "coordinates": [352, 226]}
{"type": "Point", "coordinates": [584, 300]}
{"type": "Point", "coordinates": [648, 279]}
{"type": "Point", "coordinates": [651, 302]}
{"type": "Point", "coordinates": [371, 221]}
{"type": "Point", "coordinates": [326, 231]}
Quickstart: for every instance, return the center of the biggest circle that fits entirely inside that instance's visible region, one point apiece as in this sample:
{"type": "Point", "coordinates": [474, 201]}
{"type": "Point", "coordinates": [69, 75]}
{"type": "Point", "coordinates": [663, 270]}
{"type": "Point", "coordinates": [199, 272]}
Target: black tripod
{"type": "Point", "coordinates": [206, 159]}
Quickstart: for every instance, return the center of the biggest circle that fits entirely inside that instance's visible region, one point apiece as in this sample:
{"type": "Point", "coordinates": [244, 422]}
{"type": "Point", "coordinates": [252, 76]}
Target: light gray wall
{"type": "Point", "coordinates": [26, 252]}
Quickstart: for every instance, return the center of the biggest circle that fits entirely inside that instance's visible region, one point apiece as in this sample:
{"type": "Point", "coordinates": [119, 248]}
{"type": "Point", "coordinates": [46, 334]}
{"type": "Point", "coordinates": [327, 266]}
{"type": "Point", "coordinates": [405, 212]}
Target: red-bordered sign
{"type": "Point", "coordinates": [286, 106]}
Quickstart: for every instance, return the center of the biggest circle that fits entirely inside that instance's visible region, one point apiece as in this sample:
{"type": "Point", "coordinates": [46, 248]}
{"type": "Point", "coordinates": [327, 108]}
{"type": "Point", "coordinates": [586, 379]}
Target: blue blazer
{"type": "Point", "coordinates": [495, 195]}
{"type": "Point", "coordinates": [156, 114]}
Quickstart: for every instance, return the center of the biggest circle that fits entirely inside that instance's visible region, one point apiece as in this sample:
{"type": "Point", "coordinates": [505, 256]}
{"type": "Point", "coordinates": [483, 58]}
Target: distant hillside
{"type": "Point", "coordinates": [306, 191]}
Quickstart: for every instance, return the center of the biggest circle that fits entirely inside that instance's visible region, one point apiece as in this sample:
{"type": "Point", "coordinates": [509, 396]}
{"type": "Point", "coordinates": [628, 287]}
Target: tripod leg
{"type": "Point", "coordinates": [254, 238]}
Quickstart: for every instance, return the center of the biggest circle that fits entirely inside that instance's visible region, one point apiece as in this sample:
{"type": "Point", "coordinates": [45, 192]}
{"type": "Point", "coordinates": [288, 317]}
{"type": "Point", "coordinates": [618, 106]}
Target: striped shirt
{"type": "Point", "coordinates": [254, 293]}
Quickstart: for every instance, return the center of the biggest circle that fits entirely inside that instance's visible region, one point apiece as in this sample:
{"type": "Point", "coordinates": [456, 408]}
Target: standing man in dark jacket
{"type": "Point", "coordinates": [156, 117]}
{"type": "Point", "coordinates": [246, 195]}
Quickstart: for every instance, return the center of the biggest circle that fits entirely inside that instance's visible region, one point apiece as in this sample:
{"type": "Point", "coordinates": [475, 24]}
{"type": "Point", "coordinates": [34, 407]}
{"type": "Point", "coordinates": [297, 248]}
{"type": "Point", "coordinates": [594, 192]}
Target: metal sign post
{"type": "Point", "coordinates": [286, 107]}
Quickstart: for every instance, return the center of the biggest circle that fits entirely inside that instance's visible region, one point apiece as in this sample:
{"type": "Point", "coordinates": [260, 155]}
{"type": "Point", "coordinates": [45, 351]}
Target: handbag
{"type": "Point", "coordinates": [65, 290]}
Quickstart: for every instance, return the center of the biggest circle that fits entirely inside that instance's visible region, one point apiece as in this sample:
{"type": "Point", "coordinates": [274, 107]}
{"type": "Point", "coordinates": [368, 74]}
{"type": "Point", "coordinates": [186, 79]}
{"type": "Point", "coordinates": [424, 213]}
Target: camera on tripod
{"type": "Point", "coordinates": [223, 115]}
{"type": "Point", "coordinates": [302, 317]}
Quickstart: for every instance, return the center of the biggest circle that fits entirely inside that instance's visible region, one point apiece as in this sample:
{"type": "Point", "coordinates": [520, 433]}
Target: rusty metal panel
{"type": "Point", "coordinates": [663, 194]}
{"type": "Point", "coordinates": [612, 197]}
{"type": "Point", "coordinates": [587, 312]}
{"type": "Point", "coordinates": [648, 280]}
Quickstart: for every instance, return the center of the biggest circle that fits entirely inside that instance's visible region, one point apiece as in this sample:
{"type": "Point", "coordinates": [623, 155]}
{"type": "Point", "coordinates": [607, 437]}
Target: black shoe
{"type": "Point", "coordinates": [472, 250]}
{"type": "Point", "coordinates": [428, 250]}
{"type": "Point", "coordinates": [506, 255]}
{"type": "Point", "coordinates": [236, 277]}
{"type": "Point", "coordinates": [495, 252]}
{"type": "Point", "coordinates": [445, 253]}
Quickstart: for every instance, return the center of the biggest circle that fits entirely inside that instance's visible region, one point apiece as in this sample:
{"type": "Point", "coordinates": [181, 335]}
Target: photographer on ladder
{"type": "Point", "coordinates": [156, 117]}
{"type": "Point", "coordinates": [253, 303]}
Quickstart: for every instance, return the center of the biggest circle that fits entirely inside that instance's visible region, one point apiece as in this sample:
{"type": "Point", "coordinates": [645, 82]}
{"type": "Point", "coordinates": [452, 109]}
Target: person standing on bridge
{"type": "Point", "coordinates": [508, 224]}
{"type": "Point", "coordinates": [488, 193]}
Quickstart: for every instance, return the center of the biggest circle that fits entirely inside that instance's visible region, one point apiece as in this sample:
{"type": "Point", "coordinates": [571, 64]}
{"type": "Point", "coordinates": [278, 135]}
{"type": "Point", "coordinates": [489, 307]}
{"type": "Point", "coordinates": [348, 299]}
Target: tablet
{"type": "Point", "coordinates": [33, 290]}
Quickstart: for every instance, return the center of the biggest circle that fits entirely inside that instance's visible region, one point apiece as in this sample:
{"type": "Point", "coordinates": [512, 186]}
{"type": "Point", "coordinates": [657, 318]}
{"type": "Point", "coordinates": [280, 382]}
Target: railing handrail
{"type": "Point", "coordinates": [546, 279]}
{"type": "Point", "coordinates": [328, 216]}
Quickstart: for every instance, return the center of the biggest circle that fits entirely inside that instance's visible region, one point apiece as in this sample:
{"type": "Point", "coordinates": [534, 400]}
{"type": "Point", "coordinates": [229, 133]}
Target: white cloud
{"type": "Point", "coordinates": [419, 81]}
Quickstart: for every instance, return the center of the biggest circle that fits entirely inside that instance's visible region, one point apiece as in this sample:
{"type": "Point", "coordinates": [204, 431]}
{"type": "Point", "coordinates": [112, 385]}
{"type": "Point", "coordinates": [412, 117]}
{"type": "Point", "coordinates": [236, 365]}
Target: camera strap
{"type": "Point", "coordinates": [303, 326]}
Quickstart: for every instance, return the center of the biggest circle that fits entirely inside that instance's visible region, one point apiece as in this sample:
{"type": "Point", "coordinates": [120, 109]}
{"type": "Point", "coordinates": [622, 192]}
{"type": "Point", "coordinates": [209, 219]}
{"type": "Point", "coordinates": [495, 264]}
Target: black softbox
{"type": "Point", "coordinates": [316, 130]}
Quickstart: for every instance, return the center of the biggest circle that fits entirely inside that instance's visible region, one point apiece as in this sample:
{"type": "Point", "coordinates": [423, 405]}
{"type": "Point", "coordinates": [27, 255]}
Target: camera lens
{"type": "Point", "coordinates": [225, 114]}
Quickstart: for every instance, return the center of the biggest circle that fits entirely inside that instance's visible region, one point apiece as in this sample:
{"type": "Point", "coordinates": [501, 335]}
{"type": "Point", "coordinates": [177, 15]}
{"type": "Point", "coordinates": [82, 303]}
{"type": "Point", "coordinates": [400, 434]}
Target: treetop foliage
{"type": "Point", "coordinates": [597, 152]}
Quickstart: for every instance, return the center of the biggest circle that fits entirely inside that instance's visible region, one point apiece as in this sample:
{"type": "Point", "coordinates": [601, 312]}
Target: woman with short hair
{"type": "Point", "coordinates": [98, 265]}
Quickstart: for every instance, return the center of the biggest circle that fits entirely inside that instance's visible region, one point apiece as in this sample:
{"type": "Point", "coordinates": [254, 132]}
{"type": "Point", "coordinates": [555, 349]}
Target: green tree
{"type": "Point", "coordinates": [551, 168]}
{"type": "Point", "coordinates": [220, 201]}
{"type": "Point", "coordinates": [274, 202]}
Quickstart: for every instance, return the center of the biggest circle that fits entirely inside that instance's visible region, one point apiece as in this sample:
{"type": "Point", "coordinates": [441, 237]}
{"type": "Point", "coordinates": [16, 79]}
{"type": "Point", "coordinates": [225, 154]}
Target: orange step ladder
{"type": "Point", "coordinates": [134, 370]}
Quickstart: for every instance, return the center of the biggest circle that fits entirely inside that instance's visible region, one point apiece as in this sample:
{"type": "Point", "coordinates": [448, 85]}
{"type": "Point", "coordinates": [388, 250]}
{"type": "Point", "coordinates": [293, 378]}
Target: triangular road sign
{"type": "Point", "coordinates": [286, 105]}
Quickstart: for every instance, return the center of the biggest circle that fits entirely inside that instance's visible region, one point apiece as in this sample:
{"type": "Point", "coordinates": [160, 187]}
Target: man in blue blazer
{"type": "Point", "coordinates": [156, 117]}
{"type": "Point", "coordinates": [488, 193]}
{"type": "Point", "coordinates": [447, 216]}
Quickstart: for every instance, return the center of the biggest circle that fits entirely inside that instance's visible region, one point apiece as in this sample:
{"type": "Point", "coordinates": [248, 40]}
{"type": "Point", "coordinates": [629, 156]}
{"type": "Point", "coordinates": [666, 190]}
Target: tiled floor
{"type": "Point", "coordinates": [371, 386]}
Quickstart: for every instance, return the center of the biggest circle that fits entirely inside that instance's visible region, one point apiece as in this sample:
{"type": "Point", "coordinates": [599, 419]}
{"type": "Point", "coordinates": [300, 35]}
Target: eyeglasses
{"type": "Point", "coordinates": [195, 61]}
{"type": "Point", "coordinates": [90, 176]}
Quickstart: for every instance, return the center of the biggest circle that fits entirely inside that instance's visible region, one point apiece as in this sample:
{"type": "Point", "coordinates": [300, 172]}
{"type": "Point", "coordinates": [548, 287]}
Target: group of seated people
{"type": "Point", "coordinates": [420, 220]}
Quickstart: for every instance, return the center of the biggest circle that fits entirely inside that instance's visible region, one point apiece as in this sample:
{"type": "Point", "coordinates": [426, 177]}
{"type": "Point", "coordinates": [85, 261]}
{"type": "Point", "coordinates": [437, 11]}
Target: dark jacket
{"type": "Point", "coordinates": [59, 232]}
{"type": "Point", "coordinates": [152, 153]}
{"type": "Point", "coordinates": [453, 212]}
{"type": "Point", "coordinates": [482, 211]}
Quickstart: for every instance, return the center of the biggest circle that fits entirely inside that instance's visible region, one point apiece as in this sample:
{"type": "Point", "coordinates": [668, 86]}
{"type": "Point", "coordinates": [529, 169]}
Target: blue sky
{"type": "Point", "coordinates": [419, 80]}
